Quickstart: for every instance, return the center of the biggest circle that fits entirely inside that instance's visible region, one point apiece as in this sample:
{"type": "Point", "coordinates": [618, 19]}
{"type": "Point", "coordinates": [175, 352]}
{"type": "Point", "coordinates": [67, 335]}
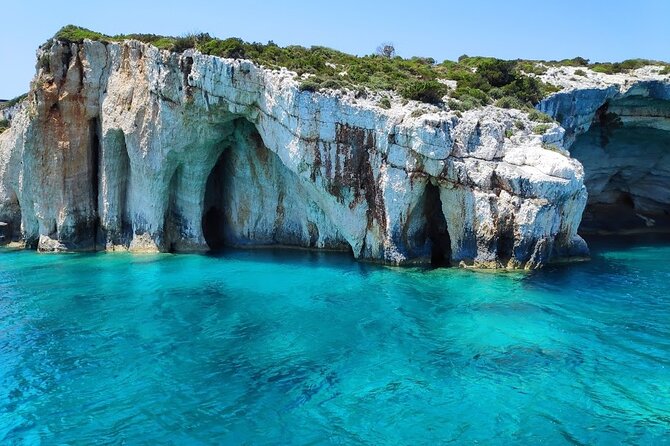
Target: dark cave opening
{"type": "Point", "coordinates": [116, 173]}
{"type": "Point", "coordinates": [123, 184]}
{"type": "Point", "coordinates": [173, 221]}
{"type": "Point", "coordinates": [213, 217]}
{"type": "Point", "coordinates": [626, 159]}
{"type": "Point", "coordinates": [94, 160]}
{"type": "Point", "coordinates": [10, 221]}
{"type": "Point", "coordinates": [437, 231]}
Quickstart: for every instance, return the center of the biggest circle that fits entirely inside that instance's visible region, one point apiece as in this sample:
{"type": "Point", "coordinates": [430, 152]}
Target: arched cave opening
{"type": "Point", "coordinates": [213, 216]}
{"type": "Point", "coordinates": [626, 159]}
{"type": "Point", "coordinates": [436, 228]}
{"type": "Point", "coordinates": [118, 177]}
{"type": "Point", "coordinates": [10, 220]}
{"type": "Point", "coordinates": [173, 221]}
{"type": "Point", "coordinates": [94, 169]}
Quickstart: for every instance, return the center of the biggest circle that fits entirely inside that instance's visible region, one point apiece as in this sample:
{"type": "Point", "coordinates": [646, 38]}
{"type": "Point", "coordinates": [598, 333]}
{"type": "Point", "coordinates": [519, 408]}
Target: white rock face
{"type": "Point", "coordinates": [123, 146]}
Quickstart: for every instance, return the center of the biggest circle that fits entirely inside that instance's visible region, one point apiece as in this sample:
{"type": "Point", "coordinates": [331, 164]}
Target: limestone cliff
{"type": "Point", "coordinates": [124, 146]}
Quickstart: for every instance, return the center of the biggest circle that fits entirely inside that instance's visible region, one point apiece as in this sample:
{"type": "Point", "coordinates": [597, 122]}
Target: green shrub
{"type": "Point", "coordinates": [76, 34]}
{"type": "Point", "coordinates": [606, 68]}
{"type": "Point", "coordinates": [575, 62]}
{"type": "Point", "coordinates": [519, 124]}
{"type": "Point", "coordinates": [509, 102]}
{"type": "Point", "coordinates": [4, 125]}
{"type": "Point", "coordinates": [541, 129]}
{"type": "Point", "coordinates": [309, 85]}
{"type": "Point", "coordinates": [665, 70]}
{"type": "Point", "coordinates": [580, 73]}
{"type": "Point", "coordinates": [429, 91]}
{"type": "Point", "coordinates": [621, 67]}
{"type": "Point", "coordinates": [385, 103]}
{"type": "Point", "coordinates": [531, 67]}
{"type": "Point", "coordinates": [333, 84]}
{"type": "Point", "coordinates": [538, 116]}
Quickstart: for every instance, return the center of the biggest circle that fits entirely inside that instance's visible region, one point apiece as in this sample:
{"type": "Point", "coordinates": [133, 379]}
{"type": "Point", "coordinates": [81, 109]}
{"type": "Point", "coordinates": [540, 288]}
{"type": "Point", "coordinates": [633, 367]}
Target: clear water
{"type": "Point", "coordinates": [301, 348]}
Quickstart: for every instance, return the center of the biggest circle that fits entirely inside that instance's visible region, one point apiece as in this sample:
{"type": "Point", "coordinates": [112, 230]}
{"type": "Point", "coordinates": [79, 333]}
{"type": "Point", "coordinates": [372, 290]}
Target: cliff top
{"type": "Point", "coordinates": [468, 83]}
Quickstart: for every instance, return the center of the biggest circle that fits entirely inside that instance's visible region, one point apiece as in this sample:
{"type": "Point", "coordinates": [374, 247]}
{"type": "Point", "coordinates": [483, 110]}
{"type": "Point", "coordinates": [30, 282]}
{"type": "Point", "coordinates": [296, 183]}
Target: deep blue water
{"type": "Point", "coordinates": [262, 347]}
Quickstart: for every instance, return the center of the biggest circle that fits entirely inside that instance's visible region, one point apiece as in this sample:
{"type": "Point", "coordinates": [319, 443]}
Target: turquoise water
{"type": "Point", "coordinates": [263, 347]}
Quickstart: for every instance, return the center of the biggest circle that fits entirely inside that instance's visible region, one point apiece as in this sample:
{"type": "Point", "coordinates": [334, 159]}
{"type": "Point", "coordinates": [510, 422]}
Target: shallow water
{"type": "Point", "coordinates": [263, 347]}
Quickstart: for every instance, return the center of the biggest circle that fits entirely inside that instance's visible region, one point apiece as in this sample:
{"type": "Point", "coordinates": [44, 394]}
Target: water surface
{"type": "Point", "coordinates": [263, 347]}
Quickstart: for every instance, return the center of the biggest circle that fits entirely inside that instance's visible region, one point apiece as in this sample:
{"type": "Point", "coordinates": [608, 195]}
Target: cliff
{"type": "Point", "coordinates": [122, 146]}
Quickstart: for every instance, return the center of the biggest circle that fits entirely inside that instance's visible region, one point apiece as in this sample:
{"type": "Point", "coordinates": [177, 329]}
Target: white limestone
{"type": "Point", "coordinates": [114, 151]}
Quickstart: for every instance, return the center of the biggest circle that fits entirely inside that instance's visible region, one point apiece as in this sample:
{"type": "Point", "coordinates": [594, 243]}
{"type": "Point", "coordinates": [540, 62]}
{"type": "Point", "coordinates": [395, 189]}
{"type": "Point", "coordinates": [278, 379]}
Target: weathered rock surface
{"type": "Point", "coordinates": [123, 146]}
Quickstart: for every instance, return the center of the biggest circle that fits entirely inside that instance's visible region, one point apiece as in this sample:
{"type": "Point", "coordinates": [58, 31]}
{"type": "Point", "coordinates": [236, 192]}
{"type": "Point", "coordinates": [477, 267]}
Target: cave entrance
{"type": "Point", "coordinates": [10, 221]}
{"type": "Point", "coordinates": [437, 231]}
{"type": "Point", "coordinates": [94, 179]}
{"type": "Point", "coordinates": [213, 216]}
{"type": "Point", "coordinates": [626, 159]}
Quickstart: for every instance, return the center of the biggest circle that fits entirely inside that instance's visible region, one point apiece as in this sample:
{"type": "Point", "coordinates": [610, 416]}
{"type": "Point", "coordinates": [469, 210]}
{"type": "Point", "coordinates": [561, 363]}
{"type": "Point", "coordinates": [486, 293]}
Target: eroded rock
{"type": "Point", "coordinates": [123, 146]}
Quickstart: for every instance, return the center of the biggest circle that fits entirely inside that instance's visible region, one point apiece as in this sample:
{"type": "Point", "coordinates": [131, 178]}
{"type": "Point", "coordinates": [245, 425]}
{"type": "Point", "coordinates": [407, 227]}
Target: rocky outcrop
{"type": "Point", "coordinates": [121, 146]}
{"type": "Point", "coordinates": [618, 127]}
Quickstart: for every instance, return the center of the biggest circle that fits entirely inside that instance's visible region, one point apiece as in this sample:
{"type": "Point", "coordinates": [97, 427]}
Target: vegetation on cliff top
{"type": "Point", "coordinates": [479, 80]}
{"type": "Point", "coordinates": [13, 102]}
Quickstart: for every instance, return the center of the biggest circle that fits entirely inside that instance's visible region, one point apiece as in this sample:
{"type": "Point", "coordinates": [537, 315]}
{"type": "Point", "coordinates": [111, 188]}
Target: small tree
{"type": "Point", "coordinates": [386, 49]}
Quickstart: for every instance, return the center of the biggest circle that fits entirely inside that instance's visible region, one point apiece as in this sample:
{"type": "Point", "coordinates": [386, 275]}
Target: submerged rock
{"type": "Point", "coordinates": [122, 146]}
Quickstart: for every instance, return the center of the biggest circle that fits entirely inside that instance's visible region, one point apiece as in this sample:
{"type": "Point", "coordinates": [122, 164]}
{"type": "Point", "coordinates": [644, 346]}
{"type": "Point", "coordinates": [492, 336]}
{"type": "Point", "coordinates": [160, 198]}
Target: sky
{"type": "Point", "coordinates": [599, 30]}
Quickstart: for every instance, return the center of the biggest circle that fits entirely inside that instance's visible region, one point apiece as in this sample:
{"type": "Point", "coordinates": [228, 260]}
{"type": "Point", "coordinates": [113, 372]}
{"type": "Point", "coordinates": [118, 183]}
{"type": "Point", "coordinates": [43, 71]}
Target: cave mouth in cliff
{"type": "Point", "coordinates": [626, 159]}
{"type": "Point", "coordinates": [10, 221]}
{"type": "Point", "coordinates": [437, 231]}
{"type": "Point", "coordinates": [213, 217]}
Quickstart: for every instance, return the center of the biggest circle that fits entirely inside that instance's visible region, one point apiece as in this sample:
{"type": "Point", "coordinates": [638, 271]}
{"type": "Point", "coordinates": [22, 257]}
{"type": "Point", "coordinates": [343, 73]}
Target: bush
{"type": "Point", "coordinates": [429, 91]}
{"type": "Point", "coordinates": [606, 68]}
{"type": "Point", "coordinates": [385, 103]}
{"type": "Point", "coordinates": [665, 70]}
{"type": "Point", "coordinates": [580, 73]}
{"type": "Point", "coordinates": [576, 62]}
{"type": "Point", "coordinates": [309, 85]}
{"type": "Point", "coordinates": [497, 72]}
{"type": "Point", "coordinates": [4, 125]}
{"type": "Point", "coordinates": [76, 34]}
{"type": "Point", "coordinates": [485, 79]}
{"type": "Point", "coordinates": [538, 116]}
{"type": "Point", "coordinates": [333, 84]}
{"type": "Point", "coordinates": [509, 102]}
{"type": "Point", "coordinates": [541, 129]}
{"type": "Point", "coordinates": [530, 67]}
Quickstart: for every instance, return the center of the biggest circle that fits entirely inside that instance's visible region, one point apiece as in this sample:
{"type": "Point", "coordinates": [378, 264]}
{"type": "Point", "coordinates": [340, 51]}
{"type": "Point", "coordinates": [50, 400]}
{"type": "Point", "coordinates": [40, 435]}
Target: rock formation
{"type": "Point", "coordinates": [618, 127]}
{"type": "Point", "coordinates": [121, 146]}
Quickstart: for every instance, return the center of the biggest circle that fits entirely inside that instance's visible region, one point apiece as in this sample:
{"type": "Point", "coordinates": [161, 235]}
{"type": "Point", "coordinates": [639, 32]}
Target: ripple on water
{"type": "Point", "coordinates": [275, 347]}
